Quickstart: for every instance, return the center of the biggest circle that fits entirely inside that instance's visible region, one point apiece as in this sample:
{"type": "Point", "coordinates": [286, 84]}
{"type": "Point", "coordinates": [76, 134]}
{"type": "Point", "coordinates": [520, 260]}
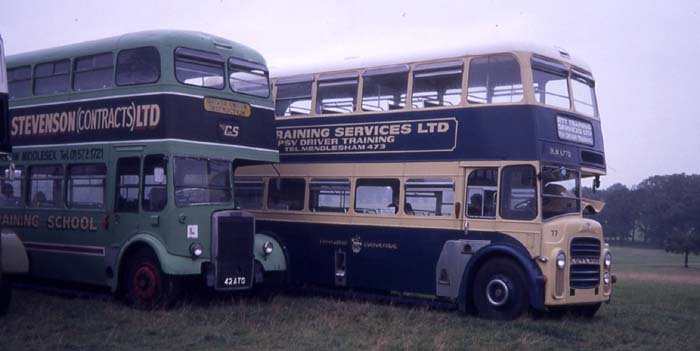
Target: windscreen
{"type": "Point", "coordinates": [202, 181]}
{"type": "Point", "coordinates": [561, 193]}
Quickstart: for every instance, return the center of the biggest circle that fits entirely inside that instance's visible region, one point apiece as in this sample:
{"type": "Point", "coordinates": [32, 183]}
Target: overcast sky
{"type": "Point", "coordinates": [644, 54]}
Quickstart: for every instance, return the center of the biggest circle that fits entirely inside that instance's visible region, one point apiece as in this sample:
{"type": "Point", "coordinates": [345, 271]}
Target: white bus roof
{"type": "Point", "coordinates": [350, 63]}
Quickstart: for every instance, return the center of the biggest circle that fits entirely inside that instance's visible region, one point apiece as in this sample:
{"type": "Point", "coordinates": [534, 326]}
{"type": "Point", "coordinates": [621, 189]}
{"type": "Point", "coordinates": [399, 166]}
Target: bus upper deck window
{"type": "Point", "coordinates": [518, 192]}
{"type": "Point", "coordinates": [437, 84]}
{"type": "Point", "coordinates": [550, 82]}
{"type": "Point", "coordinates": [337, 93]}
{"type": "Point", "coordinates": [293, 96]}
{"type": "Point", "coordinates": [138, 66]}
{"type": "Point", "coordinates": [199, 68]}
{"type": "Point", "coordinates": [494, 79]}
{"type": "Point", "coordinates": [94, 72]}
{"type": "Point", "coordinates": [248, 78]}
{"type": "Point", "coordinates": [583, 87]}
{"type": "Point", "coordinates": [52, 77]}
{"type": "Point", "coordinates": [385, 88]}
{"type": "Point", "coordinates": [19, 81]}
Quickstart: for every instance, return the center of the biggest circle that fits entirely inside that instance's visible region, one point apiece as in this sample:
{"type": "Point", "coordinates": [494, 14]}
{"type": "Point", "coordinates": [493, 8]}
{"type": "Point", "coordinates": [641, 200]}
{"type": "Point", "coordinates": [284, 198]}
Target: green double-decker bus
{"type": "Point", "coordinates": [124, 152]}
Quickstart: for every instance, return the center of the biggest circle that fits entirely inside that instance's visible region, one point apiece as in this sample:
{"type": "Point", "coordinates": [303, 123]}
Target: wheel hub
{"type": "Point", "coordinates": [146, 283]}
{"type": "Point", "coordinates": [497, 292]}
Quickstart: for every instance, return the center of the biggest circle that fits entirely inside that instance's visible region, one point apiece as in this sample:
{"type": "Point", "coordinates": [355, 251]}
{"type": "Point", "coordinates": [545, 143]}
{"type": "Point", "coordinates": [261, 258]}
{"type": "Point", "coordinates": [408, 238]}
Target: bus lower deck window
{"type": "Point", "coordinates": [377, 196]}
{"type": "Point", "coordinates": [46, 186]}
{"type": "Point", "coordinates": [128, 184]}
{"type": "Point", "coordinates": [248, 192]}
{"type": "Point", "coordinates": [86, 186]}
{"type": "Point", "coordinates": [482, 190]}
{"type": "Point", "coordinates": [11, 189]}
{"type": "Point", "coordinates": [518, 195]}
{"type": "Point", "coordinates": [286, 194]}
{"type": "Point", "coordinates": [329, 195]}
{"type": "Point", "coordinates": [429, 197]}
{"type": "Point", "coordinates": [155, 180]}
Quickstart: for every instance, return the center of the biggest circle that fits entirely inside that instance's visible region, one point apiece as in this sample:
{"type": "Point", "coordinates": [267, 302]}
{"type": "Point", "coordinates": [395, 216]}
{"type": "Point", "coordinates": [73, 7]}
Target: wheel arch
{"type": "Point", "coordinates": [534, 279]}
{"type": "Point", "coordinates": [134, 244]}
{"type": "Point", "coordinates": [280, 260]}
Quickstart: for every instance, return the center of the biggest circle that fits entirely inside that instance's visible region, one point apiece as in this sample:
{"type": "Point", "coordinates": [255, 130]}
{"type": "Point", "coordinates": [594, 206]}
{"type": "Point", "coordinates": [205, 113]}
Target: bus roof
{"type": "Point", "coordinates": [158, 38]}
{"type": "Point", "coordinates": [351, 63]}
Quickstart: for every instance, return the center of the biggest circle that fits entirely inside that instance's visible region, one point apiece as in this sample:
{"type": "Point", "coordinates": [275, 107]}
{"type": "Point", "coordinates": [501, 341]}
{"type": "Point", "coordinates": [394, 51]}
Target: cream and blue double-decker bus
{"type": "Point", "coordinates": [124, 150]}
{"type": "Point", "coordinates": [453, 177]}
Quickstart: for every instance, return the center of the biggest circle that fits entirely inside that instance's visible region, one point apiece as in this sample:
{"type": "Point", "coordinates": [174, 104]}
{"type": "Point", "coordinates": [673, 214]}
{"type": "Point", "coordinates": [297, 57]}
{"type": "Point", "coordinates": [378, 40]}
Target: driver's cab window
{"type": "Point", "coordinates": [518, 192]}
{"type": "Point", "coordinates": [155, 191]}
{"type": "Point", "coordinates": [482, 190]}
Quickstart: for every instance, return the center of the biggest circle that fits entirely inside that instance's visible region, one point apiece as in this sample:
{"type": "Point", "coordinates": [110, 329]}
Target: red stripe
{"type": "Point", "coordinates": [71, 249]}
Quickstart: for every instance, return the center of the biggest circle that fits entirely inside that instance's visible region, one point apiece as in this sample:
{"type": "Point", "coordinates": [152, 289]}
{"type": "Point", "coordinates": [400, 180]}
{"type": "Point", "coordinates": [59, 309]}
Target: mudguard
{"type": "Point", "coordinates": [14, 255]}
{"type": "Point", "coordinates": [535, 279]}
{"type": "Point", "coordinates": [277, 260]}
{"type": "Point", "coordinates": [170, 264]}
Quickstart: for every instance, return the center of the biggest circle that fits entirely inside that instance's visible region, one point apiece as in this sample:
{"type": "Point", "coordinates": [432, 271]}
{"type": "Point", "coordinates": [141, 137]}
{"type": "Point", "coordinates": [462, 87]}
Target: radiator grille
{"type": "Point", "coordinates": [584, 272]}
{"type": "Point", "coordinates": [233, 250]}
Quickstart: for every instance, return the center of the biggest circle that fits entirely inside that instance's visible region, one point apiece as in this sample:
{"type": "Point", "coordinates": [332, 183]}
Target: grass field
{"type": "Point", "coordinates": [649, 312]}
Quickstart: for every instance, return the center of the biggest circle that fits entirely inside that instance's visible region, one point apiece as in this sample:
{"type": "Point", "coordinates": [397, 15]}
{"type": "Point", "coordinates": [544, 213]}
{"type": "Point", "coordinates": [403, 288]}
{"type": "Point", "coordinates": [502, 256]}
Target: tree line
{"type": "Point", "coordinates": [661, 211]}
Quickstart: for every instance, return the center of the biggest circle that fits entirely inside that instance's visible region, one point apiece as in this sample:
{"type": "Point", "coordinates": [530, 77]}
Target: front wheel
{"type": "Point", "coordinates": [500, 290]}
{"type": "Point", "coordinates": [147, 287]}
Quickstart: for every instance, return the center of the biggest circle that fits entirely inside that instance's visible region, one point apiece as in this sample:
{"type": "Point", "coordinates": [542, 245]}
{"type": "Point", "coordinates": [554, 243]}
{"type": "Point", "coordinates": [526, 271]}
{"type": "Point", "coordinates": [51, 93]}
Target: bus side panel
{"type": "Point", "coordinates": [378, 258]}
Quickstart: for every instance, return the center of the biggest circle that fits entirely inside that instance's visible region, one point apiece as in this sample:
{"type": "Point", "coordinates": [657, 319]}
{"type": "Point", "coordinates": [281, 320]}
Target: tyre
{"type": "Point", "coordinates": [500, 290]}
{"type": "Point", "coordinates": [586, 311]}
{"type": "Point", "coordinates": [5, 296]}
{"type": "Point", "coordinates": [147, 287]}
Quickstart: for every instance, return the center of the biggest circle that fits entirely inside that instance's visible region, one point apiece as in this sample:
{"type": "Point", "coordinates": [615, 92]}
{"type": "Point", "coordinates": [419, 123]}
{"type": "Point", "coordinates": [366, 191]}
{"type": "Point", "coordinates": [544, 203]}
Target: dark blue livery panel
{"type": "Point", "coordinates": [521, 132]}
{"type": "Point", "coordinates": [158, 116]}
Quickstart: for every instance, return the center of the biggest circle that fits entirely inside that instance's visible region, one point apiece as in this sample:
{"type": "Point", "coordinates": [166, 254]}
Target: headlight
{"type": "Point", "coordinates": [196, 249]}
{"type": "Point", "coordinates": [608, 260]}
{"type": "Point", "coordinates": [561, 260]}
{"type": "Point", "coordinates": [268, 247]}
{"type": "Point", "coordinates": [606, 278]}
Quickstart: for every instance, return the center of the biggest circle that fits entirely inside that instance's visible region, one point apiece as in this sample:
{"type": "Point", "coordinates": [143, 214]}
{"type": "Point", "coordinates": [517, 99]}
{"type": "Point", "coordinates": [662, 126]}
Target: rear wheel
{"type": "Point", "coordinates": [147, 287]}
{"type": "Point", "coordinates": [500, 290]}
